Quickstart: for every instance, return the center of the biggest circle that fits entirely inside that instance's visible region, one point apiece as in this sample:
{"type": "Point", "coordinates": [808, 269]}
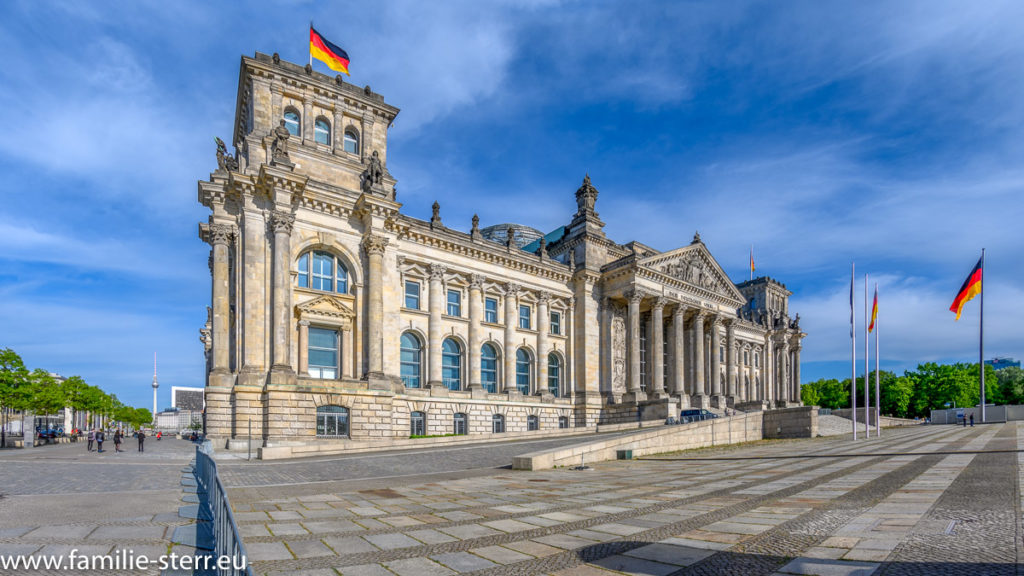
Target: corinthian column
{"type": "Point", "coordinates": [434, 330]}
{"type": "Point", "coordinates": [730, 359]}
{"type": "Point", "coordinates": [679, 360]}
{"type": "Point", "coordinates": [511, 299]}
{"type": "Point", "coordinates": [220, 238]}
{"type": "Point", "coordinates": [543, 326]}
{"type": "Point", "coordinates": [374, 245]}
{"type": "Point", "coordinates": [633, 383]}
{"type": "Point", "coordinates": [698, 354]}
{"type": "Point", "coordinates": [796, 373]}
{"type": "Point", "coordinates": [657, 386]}
{"type": "Point", "coordinates": [716, 362]}
{"type": "Point", "coordinates": [282, 223]}
{"type": "Point", "coordinates": [476, 284]}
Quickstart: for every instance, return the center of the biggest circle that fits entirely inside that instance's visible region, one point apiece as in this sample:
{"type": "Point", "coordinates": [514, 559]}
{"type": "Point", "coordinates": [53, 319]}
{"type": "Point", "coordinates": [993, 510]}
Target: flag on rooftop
{"type": "Point", "coordinates": [330, 54]}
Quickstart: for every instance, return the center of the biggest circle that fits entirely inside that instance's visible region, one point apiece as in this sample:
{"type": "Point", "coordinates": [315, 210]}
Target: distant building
{"type": "Point", "coordinates": [185, 398]}
{"type": "Point", "coordinates": [177, 420]}
{"type": "Point", "coordinates": [1000, 363]}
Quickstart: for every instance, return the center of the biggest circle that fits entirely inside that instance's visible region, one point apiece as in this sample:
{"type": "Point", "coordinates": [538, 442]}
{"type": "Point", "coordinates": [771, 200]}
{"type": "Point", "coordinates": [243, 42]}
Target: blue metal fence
{"type": "Point", "coordinates": [226, 540]}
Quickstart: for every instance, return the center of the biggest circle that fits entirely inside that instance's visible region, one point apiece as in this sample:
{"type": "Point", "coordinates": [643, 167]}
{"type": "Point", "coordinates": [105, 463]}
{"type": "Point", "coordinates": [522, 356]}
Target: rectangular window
{"type": "Point", "coordinates": [491, 310]}
{"type": "Point", "coordinates": [563, 421]}
{"type": "Point", "coordinates": [524, 317]}
{"type": "Point", "coordinates": [323, 353]}
{"type": "Point", "coordinates": [460, 424]}
{"type": "Point", "coordinates": [556, 323]}
{"type": "Point", "coordinates": [412, 295]}
{"type": "Point", "coordinates": [454, 303]}
{"type": "Point", "coordinates": [304, 271]}
{"type": "Point", "coordinates": [418, 424]}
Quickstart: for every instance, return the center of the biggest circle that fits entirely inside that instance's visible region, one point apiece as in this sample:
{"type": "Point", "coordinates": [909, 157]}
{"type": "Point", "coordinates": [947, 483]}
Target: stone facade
{"type": "Point", "coordinates": [330, 305]}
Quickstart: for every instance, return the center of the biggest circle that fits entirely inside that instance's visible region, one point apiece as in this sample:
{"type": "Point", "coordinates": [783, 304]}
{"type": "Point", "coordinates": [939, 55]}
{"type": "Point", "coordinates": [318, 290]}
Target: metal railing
{"type": "Point", "coordinates": [226, 540]}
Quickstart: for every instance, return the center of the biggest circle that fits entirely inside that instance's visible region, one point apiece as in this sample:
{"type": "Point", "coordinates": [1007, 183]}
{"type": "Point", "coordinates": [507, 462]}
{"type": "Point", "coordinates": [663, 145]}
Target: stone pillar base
{"type": "Point", "coordinates": [478, 392]}
{"type": "Point", "coordinates": [659, 409]}
{"type": "Point", "coordinates": [700, 401]}
{"type": "Point", "coordinates": [752, 406]}
{"type": "Point", "coordinates": [634, 397]}
{"type": "Point", "coordinates": [218, 411]}
{"type": "Point", "coordinates": [247, 406]}
{"type": "Point", "coordinates": [282, 376]}
{"type": "Point", "coordinates": [251, 377]}
{"type": "Point", "coordinates": [439, 390]}
{"type": "Point", "coordinates": [718, 401]}
{"type": "Point", "coordinates": [683, 400]}
{"type": "Point", "coordinates": [787, 404]}
{"type": "Point", "coordinates": [381, 381]}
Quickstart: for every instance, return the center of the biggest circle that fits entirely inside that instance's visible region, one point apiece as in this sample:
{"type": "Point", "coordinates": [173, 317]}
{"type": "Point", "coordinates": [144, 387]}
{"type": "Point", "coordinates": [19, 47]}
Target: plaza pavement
{"type": "Point", "coordinates": [57, 498]}
{"type": "Point", "coordinates": [921, 500]}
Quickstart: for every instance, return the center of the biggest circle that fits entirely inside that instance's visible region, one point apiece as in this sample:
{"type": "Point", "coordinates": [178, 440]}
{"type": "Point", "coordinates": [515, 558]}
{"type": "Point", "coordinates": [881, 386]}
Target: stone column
{"type": "Point", "coordinates": [476, 306]}
{"type": "Point", "coordinates": [783, 361]}
{"type": "Point", "coordinates": [543, 327]}
{"type": "Point", "coordinates": [253, 301]}
{"type": "Point", "coordinates": [220, 237]}
{"type": "Point", "coordinates": [633, 342]}
{"type": "Point", "coordinates": [568, 373]}
{"type": "Point", "coordinates": [657, 345]}
{"type": "Point", "coordinates": [347, 354]}
{"type": "Point", "coordinates": [796, 373]}
{"type": "Point", "coordinates": [434, 330]}
{"type": "Point", "coordinates": [605, 338]}
{"type": "Point", "coordinates": [304, 348]}
{"type": "Point", "coordinates": [716, 363]}
{"type": "Point", "coordinates": [338, 133]}
{"type": "Point", "coordinates": [282, 223]}
{"type": "Point", "coordinates": [365, 137]}
{"type": "Point", "coordinates": [730, 359]}
{"type": "Point", "coordinates": [374, 245]}
{"type": "Point", "coordinates": [307, 122]}
{"type": "Point", "coordinates": [697, 386]}
{"type": "Point", "coordinates": [511, 300]}
{"type": "Point", "coordinates": [678, 354]}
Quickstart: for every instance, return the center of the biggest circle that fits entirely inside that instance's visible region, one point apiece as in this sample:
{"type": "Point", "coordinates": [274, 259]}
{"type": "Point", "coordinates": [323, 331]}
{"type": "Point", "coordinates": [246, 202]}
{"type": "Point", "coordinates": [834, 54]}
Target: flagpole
{"type": "Point", "coordinates": [853, 354]}
{"type": "Point", "coordinates": [867, 392]}
{"type": "Point", "coordinates": [311, 47]}
{"type": "Point", "coordinates": [981, 336]}
{"type": "Point", "coordinates": [878, 397]}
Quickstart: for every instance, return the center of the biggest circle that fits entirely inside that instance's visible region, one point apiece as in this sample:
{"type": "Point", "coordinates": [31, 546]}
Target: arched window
{"type": "Point", "coordinates": [321, 270]}
{"type": "Point", "coordinates": [498, 423]}
{"type": "Point", "coordinates": [331, 421]}
{"type": "Point", "coordinates": [554, 374]}
{"type": "Point", "coordinates": [291, 122]}
{"type": "Point", "coordinates": [524, 366]}
{"type": "Point", "coordinates": [451, 364]}
{"type": "Point", "coordinates": [489, 368]}
{"type": "Point", "coordinates": [412, 353]}
{"type": "Point", "coordinates": [351, 141]}
{"type": "Point", "coordinates": [322, 131]}
{"type": "Point", "coordinates": [459, 423]}
{"type": "Point", "coordinates": [532, 423]}
{"type": "Point", "coordinates": [418, 424]}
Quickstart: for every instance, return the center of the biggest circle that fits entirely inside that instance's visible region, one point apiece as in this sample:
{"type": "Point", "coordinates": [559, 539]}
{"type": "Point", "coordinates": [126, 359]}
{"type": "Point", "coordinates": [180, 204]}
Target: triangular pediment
{"type": "Point", "coordinates": [695, 266]}
{"type": "Point", "coordinates": [326, 307]}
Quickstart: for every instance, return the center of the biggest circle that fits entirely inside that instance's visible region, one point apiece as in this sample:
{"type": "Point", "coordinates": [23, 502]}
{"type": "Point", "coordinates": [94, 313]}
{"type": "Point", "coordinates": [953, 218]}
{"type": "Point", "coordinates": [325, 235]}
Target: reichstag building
{"type": "Point", "coordinates": [337, 319]}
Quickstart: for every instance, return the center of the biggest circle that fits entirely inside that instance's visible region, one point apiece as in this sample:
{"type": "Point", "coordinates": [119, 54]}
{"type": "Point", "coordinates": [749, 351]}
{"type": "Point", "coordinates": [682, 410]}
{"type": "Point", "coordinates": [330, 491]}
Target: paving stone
{"type": "Point", "coordinates": [563, 541]}
{"type": "Point", "coordinates": [417, 567]}
{"type": "Point", "coordinates": [467, 531]}
{"type": "Point", "coordinates": [344, 546]}
{"type": "Point", "coordinates": [74, 532]}
{"type": "Point", "coordinates": [508, 525]}
{"type": "Point", "coordinates": [819, 567]}
{"type": "Point", "coordinates": [670, 554]}
{"type": "Point", "coordinates": [260, 551]}
{"type": "Point", "coordinates": [332, 527]}
{"type": "Point", "coordinates": [308, 548]}
{"type": "Point", "coordinates": [286, 529]}
{"type": "Point", "coordinates": [116, 532]}
{"type": "Point", "coordinates": [391, 541]}
{"type": "Point", "coordinates": [532, 548]}
{"type": "Point", "coordinates": [365, 570]}
{"type": "Point", "coordinates": [463, 561]}
{"type": "Point", "coordinates": [430, 536]}
{"type": "Point", "coordinates": [500, 554]}
{"type": "Point", "coordinates": [636, 566]}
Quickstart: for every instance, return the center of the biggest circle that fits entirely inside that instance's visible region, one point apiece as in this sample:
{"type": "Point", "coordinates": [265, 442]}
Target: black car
{"type": "Point", "coordinates": [695, 415]}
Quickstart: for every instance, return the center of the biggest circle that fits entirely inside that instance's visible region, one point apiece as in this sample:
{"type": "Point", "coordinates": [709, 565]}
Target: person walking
{"type": "Point", "coordinates": [972, 420]}
{"type": "Point", "coordinates": [142, 439]}
{"type": "Point", "coordinates": [118, 437]}
{"type": "Point", "coordinates": [100, 437]}
{"type": "Point", "coordinates": [92, 438]}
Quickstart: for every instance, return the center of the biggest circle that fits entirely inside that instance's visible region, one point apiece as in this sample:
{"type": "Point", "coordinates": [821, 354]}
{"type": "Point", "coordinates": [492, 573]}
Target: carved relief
{"type": "Point", "coordinates": [693, 269]}
{"type": "Point", "coordinates": [618, 336]}
{"type": "Point", "coordinates": [282, 222]}
{"type": "Point", "coordinates": [374, 244]}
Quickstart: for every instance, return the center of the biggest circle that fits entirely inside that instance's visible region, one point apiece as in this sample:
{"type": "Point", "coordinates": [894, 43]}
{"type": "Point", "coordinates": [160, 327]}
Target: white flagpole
{"type": "Point", "coordinates": [981, 336]}
{"type": "Point", "coordinates": [867, 390]}
{"type": "Point", "coordinates": [878, 397]}
{"type": "Point", "coordinates": [853, 354]}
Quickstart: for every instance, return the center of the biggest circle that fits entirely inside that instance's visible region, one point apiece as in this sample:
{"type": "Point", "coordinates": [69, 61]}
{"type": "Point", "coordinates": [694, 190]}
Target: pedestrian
{"type": "Point", "coordinates": [92, 438]}
{"type": "Point", "coordinates": [142, 438]}
{"type": "Point", "coordinates": [972, 420]}
{"type": "Point", "coordinates": [100, 437]}
{"type": "Point", "coordinates": [965, 421]}
{"type": "Point", "coordinates": [118, 437]}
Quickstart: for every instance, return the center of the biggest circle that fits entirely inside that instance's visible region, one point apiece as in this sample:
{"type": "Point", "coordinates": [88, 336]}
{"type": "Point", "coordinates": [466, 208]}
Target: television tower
{"type": "Point", "coordinates": [155, 386]}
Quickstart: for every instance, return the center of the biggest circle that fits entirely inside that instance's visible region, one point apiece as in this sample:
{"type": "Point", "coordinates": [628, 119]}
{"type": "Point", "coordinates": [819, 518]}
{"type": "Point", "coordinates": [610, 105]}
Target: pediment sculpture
{"type": "Point", "coordinates": [693, 270]}
{"type": "Point", "coordinates": [326, 308]}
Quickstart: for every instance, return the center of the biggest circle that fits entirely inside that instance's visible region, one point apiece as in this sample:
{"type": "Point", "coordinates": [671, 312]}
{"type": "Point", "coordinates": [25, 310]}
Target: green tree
{"type": "Point", "coordinates": [43, 394]}
{"type": "Point", "coordinates": [1011, 384]}
{"type": "Point", "coordinates": [74, 387]}
{"type": "Point", "coordinates": [92, 399]}
{"type": "Point", "coordinates": [13, 378]}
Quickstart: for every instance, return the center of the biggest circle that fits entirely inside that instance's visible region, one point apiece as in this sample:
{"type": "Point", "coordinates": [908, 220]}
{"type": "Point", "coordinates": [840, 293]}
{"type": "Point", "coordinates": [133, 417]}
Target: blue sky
{"type": "Point", "coordinates": [890, 133]}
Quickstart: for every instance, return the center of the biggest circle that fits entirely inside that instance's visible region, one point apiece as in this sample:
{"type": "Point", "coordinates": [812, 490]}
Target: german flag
{"type": "Point", "coordinates": [970, 289]}
{"type": "Point", "coordinates": [874, 312]}
{"type": "Point", "coordinates": [328, 53]}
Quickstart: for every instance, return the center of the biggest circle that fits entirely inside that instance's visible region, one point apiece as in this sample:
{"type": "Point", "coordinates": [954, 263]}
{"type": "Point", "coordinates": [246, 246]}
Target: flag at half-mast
{"type": "Point", "coordinates": [874, 312]}
{"type": "Point", "coordinates": [330, 54]}
{"type": "Point", "coordinates": [970, 289]}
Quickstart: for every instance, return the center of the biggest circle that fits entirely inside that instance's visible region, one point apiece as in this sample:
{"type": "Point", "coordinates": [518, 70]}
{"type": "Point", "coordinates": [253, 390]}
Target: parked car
{"type": "Point", "coordinates": [695, 415]}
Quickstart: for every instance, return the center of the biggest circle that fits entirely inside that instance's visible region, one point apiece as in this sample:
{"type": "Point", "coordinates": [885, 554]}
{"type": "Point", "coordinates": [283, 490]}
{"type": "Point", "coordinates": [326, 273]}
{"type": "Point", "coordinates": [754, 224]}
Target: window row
{"type": "Point", "coordinates": [333, 422]}
{"type": "Point", "coordinates": [452, 375]}
{"type": "Point", "coordinates": [321, 130]}
{"type": "Point", "coordinates": [454, 308]}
